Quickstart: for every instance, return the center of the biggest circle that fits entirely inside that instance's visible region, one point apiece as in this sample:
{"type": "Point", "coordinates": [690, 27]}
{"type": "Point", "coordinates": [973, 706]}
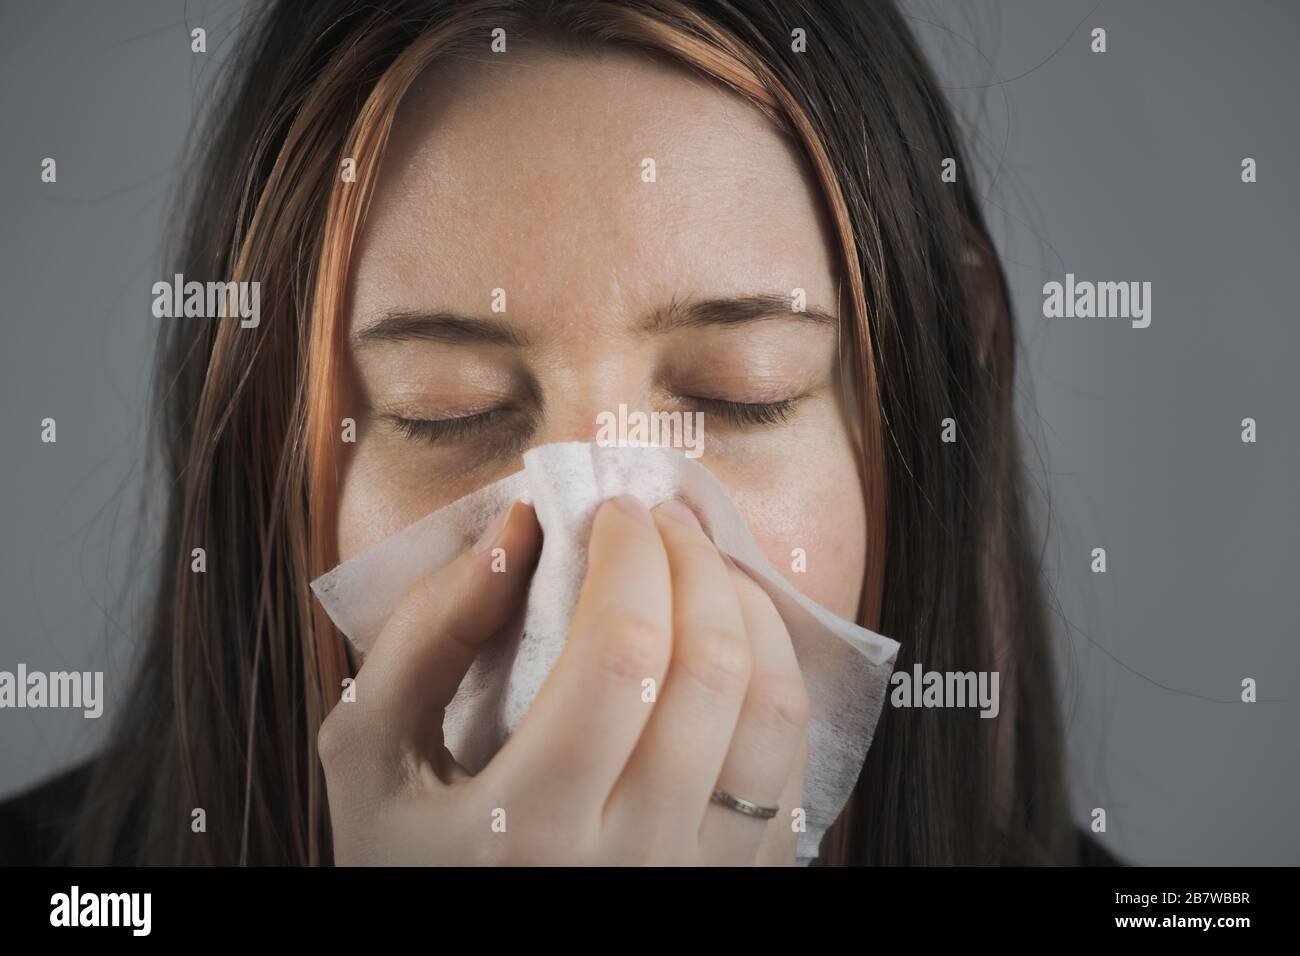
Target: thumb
{"type": "Point", "coordinates": [428, 644]}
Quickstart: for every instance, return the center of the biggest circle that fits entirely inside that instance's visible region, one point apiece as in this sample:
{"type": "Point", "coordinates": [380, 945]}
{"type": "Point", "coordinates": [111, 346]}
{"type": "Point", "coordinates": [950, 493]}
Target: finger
{"type": "Point", "coordinates": [592, 707]}
{"type": "Point", "coordinates": [674, 768]}
{"type": "Point", "coordinates": [780, 842]}
{"type": "Point", "coordinates": [764, 747]}
{"type": "Point", "coordinates": [428, 643]}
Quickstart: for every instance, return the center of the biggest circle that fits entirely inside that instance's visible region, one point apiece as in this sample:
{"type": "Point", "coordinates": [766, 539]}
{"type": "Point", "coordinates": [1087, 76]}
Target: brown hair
{"type": "Point", "coordinates": [241, 666]}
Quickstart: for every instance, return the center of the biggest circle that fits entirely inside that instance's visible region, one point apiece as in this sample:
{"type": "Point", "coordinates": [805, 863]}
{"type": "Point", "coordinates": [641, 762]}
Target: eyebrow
{"type": "Point", "coordinates": [401, 325]}
{"type": "Point", "coordinates": [733, 310]}
{"type": "Point", "coordinates": [449, 328]}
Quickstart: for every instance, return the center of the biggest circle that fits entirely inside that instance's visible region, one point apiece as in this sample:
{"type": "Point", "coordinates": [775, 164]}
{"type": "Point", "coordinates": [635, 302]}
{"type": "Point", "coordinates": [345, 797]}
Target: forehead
{"type": "Point", "coordinates": [528, 171]}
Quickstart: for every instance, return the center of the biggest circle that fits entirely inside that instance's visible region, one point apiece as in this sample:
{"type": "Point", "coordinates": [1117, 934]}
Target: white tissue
{"type": "Point", "coordinates": [845, 667]}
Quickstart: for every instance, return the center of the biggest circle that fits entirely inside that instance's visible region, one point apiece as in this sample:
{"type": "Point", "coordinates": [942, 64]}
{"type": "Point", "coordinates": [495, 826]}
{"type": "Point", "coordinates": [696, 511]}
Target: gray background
{"type": "Point", "coordinates": [1116, 166]}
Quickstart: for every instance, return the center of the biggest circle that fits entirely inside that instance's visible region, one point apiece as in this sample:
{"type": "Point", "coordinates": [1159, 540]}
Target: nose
{"type": "Point", "coordinates": [583, 419]}
{"type": "Point", "coordinates": [584, 405]}
{"type": "Point", "coordinates": [591, 380]}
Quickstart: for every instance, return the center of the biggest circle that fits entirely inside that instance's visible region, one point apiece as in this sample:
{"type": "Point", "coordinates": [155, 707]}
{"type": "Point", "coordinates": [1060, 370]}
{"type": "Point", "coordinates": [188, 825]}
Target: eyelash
{"type": "Point", "coordinates": [434, 430]}
{"type": "Point", "coordinates": [738, 414]}
{"type": "Point", "coordinates": [747, 414]}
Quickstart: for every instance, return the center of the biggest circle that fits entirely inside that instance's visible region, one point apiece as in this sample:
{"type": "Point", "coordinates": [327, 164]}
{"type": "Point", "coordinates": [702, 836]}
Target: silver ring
{"type": "Point", "coordinates": [744, 806]}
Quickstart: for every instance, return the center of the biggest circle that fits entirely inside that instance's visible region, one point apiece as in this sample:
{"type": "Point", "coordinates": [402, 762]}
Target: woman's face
{"type": "Point", "coordinates": [528, 174]}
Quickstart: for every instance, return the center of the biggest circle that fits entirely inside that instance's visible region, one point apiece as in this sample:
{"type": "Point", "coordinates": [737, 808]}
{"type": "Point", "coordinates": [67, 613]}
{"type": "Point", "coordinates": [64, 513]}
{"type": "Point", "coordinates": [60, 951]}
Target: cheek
{"type": "Point", "coordinates": [365, 518]}
{"type": "Point", "coordinates": [824, 515]}
{"type": "Point", "coordinates": [377, 500]}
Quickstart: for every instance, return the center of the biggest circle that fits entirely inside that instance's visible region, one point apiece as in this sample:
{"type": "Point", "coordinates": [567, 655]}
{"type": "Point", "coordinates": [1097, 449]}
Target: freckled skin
{"type": "Point", "coordinates": [525, 174]}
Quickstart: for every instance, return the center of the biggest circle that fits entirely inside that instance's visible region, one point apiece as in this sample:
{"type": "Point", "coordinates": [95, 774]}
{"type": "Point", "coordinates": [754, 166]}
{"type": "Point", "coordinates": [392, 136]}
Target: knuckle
{"type": "Point", "coordinates": [333, 739]}
{"type": "Point", "coordinates": [783, 698]}
{"type": "Point", "coordinates": [719, 659]}
{"type": "Point", "coordinates": [416, 606]}
{"type": "Point", "coordinates": [633, 648]}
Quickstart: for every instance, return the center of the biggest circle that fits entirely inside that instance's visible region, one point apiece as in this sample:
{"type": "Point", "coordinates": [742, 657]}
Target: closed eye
{"type": "Point", "coordinates": [436, 430]}
{"type": "Point", "coordinates": [746, 414]}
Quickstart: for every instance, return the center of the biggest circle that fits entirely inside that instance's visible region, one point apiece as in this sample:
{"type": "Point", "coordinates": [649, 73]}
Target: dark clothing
{"type": "Point", "coordinates": [33, 822]}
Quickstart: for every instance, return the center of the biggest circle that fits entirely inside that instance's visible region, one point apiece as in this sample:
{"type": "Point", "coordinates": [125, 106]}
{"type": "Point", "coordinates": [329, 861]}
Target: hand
{"type": "Point", "coordinates": [594, 774]}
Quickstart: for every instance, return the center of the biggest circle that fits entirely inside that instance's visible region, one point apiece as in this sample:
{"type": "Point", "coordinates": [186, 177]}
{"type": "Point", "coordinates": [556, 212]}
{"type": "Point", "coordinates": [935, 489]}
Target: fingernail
{"type": "Point", "coordinates": [675, 509]}
{"type": "Point", "coordinates": [631, 506]}
{"type": "Point", "coordinates": [490, 534]}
